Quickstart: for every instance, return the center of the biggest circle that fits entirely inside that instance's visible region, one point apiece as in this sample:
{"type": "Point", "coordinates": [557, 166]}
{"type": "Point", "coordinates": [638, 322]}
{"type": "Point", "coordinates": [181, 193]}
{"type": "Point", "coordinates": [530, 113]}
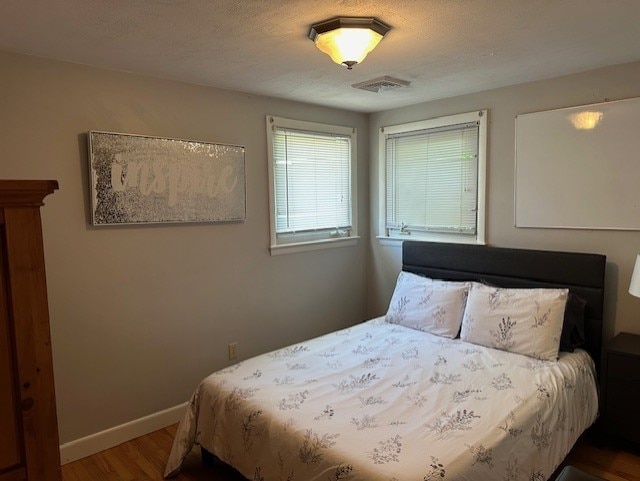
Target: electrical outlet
{"type": "Point", "coordinates": [233, 351]}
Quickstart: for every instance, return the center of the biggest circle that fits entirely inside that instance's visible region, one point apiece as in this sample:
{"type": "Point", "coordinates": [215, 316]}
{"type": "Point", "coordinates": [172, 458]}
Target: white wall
{"type": "Point", "coordinates": [139, 315]}
{"type": "Point", "coordinates": [620, 247]}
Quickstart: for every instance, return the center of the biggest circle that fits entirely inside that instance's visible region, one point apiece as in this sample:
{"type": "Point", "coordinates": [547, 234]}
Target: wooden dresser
{"type": "Point", "coordinates": [29, 447]}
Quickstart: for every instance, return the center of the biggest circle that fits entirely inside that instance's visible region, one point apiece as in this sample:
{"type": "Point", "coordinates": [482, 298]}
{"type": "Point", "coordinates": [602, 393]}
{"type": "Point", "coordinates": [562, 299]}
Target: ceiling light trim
{"type": "Point", "coordinates": [371, 23]}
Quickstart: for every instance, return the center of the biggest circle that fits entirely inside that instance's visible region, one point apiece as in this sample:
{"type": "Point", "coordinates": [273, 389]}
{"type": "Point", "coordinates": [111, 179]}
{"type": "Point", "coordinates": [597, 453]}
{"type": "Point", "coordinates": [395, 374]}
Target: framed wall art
{"type": "Point", "coordinates": [137, 179]}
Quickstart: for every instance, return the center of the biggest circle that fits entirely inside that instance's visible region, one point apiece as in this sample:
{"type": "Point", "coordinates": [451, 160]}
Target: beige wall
{"type": "Point", "coordinates": [620, 247]}
{"type": "Point", "coordinates": [139, 315]}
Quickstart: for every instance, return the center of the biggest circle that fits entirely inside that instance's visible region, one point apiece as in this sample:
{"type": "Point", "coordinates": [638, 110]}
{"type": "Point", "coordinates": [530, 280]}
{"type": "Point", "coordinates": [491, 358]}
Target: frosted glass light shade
{"type": "Point", "coordinates": [348, 45]}
{"type": "Point", "coordinates": [348, 40]}
{"type": "Point", "coordinates": [634, 285]}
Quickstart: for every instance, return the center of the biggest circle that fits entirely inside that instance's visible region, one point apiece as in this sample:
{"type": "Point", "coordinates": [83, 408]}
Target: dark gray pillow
{"type": "Point", "coordinates": [573, 325]}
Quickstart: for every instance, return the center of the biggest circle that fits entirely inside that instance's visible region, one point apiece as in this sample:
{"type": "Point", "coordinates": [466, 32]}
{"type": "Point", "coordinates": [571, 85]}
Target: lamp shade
{"type": "Point", "coordinates": [634, 285]}
{"type": "Point", "coordinates": [348, 40]}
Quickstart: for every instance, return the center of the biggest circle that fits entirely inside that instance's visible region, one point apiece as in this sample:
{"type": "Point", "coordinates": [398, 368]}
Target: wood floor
{"type": "Point", "coordinates": [143, 459]}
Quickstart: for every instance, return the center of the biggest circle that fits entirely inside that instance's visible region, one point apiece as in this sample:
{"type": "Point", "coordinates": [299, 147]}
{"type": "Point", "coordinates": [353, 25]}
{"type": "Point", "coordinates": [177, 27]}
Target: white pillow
{"type": "Point", "coordinates": [524, 321]}
{"type": "Point", "coordinates": [428, 305]}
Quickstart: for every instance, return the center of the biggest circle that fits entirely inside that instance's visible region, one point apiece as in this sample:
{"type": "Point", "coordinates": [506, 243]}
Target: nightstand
{"type": "Point", "coordinates": [620, 396]}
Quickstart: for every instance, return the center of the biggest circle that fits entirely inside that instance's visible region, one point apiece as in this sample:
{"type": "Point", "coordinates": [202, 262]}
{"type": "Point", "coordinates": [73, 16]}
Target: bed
{"type": "Point", "coordinates": [387, 400]}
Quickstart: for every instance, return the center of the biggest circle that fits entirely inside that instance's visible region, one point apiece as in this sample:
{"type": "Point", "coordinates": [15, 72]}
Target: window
{"type": "Point", "coordinates": [312, 185]}
{"type": "Point", "coordinates": [433, 178]}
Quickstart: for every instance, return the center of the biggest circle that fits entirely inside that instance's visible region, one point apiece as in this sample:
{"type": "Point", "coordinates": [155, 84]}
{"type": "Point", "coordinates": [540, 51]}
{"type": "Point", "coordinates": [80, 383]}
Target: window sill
{"type": "Point", "coordinates": [313, 245]}
{"type": "Point", "coordinates": [397, 241]}
{"type": "Point", "coordinates": [390, 241]}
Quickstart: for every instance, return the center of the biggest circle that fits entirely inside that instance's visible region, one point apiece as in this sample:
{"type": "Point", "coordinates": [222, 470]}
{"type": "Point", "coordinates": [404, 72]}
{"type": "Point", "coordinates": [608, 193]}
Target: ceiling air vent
{"type": "Point", "coordinates": [381, 84]}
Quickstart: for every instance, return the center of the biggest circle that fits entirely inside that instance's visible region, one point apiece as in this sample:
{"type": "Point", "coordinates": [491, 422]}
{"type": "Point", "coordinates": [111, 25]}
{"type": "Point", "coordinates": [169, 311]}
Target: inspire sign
{"type": "Point", "coordinates": [137, 179]}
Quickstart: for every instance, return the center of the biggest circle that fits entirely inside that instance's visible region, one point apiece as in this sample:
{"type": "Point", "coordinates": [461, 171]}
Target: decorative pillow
{"type": "Point", "coordinates": [428, 305]}
{"type": "Point", "coordinates": [524, 321]}
{"type": "Point", "coordinates": [573, 325]}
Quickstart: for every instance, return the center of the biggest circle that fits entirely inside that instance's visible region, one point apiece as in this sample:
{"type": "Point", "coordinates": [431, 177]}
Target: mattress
{"type": "Point", "coordinates": [382, 402]}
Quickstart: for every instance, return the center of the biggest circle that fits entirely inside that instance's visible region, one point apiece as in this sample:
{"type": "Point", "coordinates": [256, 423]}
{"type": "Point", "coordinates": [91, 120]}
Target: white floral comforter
{"type": "Point", "coordinates": [381, 402]}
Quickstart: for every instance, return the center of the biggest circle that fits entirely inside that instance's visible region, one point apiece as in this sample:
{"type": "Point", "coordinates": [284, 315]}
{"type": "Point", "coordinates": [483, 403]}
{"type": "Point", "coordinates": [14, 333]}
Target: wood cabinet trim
{"type": "Point", "coordinates": [25, 317]}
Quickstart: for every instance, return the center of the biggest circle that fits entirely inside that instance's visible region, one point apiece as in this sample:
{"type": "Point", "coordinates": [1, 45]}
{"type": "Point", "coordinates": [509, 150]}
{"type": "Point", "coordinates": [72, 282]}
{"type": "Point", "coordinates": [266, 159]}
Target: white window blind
{"type": "Point", "coordinates": [432, 180]}
{"type": "Point", "coordinates": [312, 177]}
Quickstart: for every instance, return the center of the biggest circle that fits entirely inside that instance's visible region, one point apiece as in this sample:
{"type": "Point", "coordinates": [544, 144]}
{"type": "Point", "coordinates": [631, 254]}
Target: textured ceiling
{"type": "Point", "coordinates": [443, 47]}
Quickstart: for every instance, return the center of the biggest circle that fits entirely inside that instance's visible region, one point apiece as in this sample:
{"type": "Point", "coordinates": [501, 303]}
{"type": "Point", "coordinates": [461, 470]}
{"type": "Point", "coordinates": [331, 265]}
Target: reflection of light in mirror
{"type": "Point", "coordinates": [586, 120]}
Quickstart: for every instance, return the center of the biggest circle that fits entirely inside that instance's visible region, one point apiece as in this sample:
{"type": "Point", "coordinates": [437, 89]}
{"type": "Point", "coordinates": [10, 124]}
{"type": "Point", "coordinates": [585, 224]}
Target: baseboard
{"type": "Point", "coordinates": [94, 443]}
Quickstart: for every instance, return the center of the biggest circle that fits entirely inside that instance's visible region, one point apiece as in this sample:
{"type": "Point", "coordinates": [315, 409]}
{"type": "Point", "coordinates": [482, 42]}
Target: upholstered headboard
{"type": "Point", "coordinates": [582, 273]}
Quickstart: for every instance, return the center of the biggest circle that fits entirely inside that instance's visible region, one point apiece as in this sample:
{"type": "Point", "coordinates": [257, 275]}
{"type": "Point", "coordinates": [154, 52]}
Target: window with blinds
{"type": "Point", "coordinates": [434, 179]}
{"type": "Point", "coordinates": [312, 184]}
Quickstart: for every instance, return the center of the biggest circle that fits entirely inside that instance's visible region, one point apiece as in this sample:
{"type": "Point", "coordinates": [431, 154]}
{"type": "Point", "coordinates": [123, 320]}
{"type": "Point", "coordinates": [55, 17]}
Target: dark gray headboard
{"type": "Point", "coordinates": [582, 273]}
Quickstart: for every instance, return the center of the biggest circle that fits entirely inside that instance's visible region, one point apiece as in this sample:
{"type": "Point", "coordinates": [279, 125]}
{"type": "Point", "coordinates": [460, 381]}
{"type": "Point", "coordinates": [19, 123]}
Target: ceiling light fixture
{"type": "Point", "coordinates": [348, 40]}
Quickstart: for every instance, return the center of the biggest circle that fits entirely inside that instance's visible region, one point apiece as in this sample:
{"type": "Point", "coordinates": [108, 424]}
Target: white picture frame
{"type": "Point", "coordinates": [577, 167]}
